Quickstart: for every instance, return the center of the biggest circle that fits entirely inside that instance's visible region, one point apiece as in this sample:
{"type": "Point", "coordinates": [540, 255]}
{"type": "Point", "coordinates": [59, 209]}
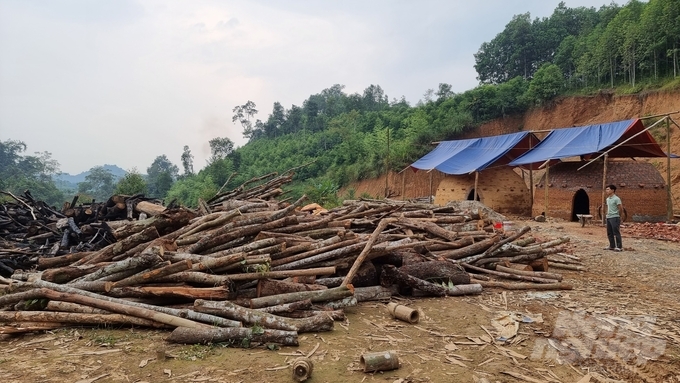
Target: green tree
{"type": "Point", "coordinates": [160, 176]}
{"type": "Point", "coordinates": [220, 147]}
{"type": "Point", "coordinates": [99, 184]}
{"type": "Point", "coordinates": [546, 84]}
{"type": "Point", "coordinates": [189, 189]}
{"type": "Point", "coordinates": [132, 183]}
{"type": "Point", "coordinates": [19, 172]}
{"type": "Point", "coordinates": [243, 114]}
{"type": "Point", "coordinates": [187, 161]}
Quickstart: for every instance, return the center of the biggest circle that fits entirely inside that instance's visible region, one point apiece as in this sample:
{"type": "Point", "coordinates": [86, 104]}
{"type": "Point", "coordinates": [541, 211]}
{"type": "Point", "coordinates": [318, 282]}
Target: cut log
{"type": "Point", "coordinates": [316, 296]}
{"type": "Point", "coordinates": [267, 287]}
{"type": "Point", "coordinates": [473, 249]}
{"type": "Point", "coordinates": [78, 318]}
{"type": "Point", "coordinates": [153, 274]}
{"type": "Point", "coordinates": [243, 337]}
{"type": "Point", "coordinates": [552, 276]}
{"type": "Point", "coordinates": [367, 249]}
{"type": "Point", "coordinates": [254, 317]}
{"type": "Point", "coordinates": [524, 286]}
{"type": "Point", "coordinates": [151, 209]}
{"type": "Point", "coordinates": [509, 275]}
{"type": "Point", "coordinates": [438, 271]}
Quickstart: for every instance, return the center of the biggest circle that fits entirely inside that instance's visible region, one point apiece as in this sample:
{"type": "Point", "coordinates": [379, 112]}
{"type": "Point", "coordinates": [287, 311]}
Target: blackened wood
{"type": "Point", "coordinates": [439, 271]}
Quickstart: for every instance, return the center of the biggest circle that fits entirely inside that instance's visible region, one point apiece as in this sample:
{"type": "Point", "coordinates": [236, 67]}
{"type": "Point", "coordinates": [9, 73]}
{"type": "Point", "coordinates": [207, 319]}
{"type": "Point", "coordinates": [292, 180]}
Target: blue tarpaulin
{"type": "Point", "coordinates": [589, 141]}
{"type": "Point", "coordinates": [467, 156]}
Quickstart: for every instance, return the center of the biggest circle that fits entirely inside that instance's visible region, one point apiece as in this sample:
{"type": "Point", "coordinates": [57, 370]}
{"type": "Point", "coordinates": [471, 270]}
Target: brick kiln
{"type": "Point", "coordinates": [570, 191]}
{"type": "Point", "coordinates": [500, 188]}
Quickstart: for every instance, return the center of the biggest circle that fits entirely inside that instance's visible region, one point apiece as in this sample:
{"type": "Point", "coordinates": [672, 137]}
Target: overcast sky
{"type": "Point", "coordinates": [121, 82]}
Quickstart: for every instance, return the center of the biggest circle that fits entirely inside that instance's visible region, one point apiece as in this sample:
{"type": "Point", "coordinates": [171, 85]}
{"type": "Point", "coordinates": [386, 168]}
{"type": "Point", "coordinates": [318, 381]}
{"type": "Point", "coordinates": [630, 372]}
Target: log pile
{"type": "Point", "coordinates": [247, 267]}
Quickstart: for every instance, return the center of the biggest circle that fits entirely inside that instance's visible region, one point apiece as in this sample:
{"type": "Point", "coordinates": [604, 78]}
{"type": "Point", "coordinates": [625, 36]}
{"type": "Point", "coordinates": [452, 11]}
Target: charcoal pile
{"type": "Point", "coordinates": [245, 261]}
{"type": "Point", "coordinates": [30, 229]}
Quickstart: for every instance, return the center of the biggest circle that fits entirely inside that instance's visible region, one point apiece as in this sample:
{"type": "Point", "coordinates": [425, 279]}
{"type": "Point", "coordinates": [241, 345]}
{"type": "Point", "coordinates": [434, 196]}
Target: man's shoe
{"type": "Point", "coordinates": [617, 249]}
{"type": "Point", "coordinates": [608, 248]}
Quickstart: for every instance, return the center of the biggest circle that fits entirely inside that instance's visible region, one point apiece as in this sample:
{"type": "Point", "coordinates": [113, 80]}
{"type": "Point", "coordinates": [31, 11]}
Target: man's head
{"type": "Point", "coordinates": [611, 189]}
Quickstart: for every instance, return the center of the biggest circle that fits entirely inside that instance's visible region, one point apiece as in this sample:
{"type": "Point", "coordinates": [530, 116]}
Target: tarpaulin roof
{"type": "Point", "coordinates": [592, 140]}
{"type": "Point", "coordinates": [467, 156]}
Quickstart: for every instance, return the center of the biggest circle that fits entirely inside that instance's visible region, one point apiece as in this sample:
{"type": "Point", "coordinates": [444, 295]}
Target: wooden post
{"type": "Point", "coordinates": [476, 183]}
{"type": "Point", "coordinates": [430, 196]}
{"type": "Point", "coordinates": [668, 171]}
{"type": "Point", "coordinates": [604, 186]}
{"type": "Point", "coordinates": [403, 185]}
{"type": "Point", "coordinates": [545, 186]}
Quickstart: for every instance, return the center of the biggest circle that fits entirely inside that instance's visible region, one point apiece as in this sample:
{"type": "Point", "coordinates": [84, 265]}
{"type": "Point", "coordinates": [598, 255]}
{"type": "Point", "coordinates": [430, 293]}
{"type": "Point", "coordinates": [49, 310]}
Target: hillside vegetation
{"type": "Point", "coordinates": [343, 138]}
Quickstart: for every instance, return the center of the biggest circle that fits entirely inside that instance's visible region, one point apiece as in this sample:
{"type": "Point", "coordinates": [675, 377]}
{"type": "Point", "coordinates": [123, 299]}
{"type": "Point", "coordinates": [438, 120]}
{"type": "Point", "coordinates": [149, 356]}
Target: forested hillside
{"type": "Point", "coordinates": [341, 138]}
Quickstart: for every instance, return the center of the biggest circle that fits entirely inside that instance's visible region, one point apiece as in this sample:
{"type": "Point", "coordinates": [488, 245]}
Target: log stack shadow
{"type": "Point", "coordinates": [247, 267]}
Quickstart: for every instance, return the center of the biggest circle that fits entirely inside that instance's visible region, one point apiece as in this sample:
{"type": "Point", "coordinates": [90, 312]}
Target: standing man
{"type": "Point", "coordinates": [614, 210]}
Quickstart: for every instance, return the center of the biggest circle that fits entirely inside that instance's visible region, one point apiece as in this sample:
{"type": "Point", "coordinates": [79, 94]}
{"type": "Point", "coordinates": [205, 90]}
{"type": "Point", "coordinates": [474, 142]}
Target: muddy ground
{"type": "Point", "coordinates": [621, 322]}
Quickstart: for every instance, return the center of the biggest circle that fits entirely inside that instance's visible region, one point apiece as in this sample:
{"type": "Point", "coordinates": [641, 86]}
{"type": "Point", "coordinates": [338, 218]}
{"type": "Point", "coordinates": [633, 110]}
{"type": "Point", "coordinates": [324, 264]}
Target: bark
{"type": "Point", "coordinates": [316, 296]}
{"type": "Point", "coordinates": [170, 292]}
{"type": "Point", "coordinates": [525, 286]}
{"type": "Point", "coordinates": [189, 314]}
{"type": "Point", "coordinates": [138, 312]}
{"type": "Point", "coordinates": [67, 273]}
{"type": "Point", "coordinates": [267, 287]}
{"type": "Point", "coordinates": [392, 275]}
{"type": "Point", "coordinates": [107, 253]}
{"type": "Point", "coordinates": [77, 318]}
{"type": "Point", "coordinates": [254, 317]}
{"type": "Point", "coordinates": [475, 248]}
{"type": "Point", "coordinates": [212, 241]}
{"type": "Point", "coordinates": [509, 275]}
{"type": "Point", "coordinates": [288, 307]}
{"type": "Point", "coordinates": [146, 277]}
{"type": "Point", "coordinates": [281, 274]}
{"type": "Point", "coordinates": [379, 361]}
{"type": "Point", "coordinates": [239, 336]}
{"type": "Point", "coordinates": [429, 227]}
{"type": "Point", "coordinates": [367, 249]}
{"type": "Point", "coordinates": [557, 277]}
{"type": "Point", "coordinates": [440, 270]}
{"type": "Point", "coordinates": [302, 369]}
{"type": "Point", "coordinates": [170, 220]}
{"type": "Point", "coordinates": [63, 260]}
{"type": "Point", "coordinates": [141, 262]}
{"type": "Point", "coordinates": [313, 252]}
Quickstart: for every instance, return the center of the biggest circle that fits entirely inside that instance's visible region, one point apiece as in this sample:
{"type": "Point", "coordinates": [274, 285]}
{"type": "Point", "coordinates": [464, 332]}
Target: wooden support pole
{"type": "Point", "coordinates": [668, 171]}
{"type": "Point", "coordinates": [474, 197]}
{"type": "Point", "coordinates": [604, 186]}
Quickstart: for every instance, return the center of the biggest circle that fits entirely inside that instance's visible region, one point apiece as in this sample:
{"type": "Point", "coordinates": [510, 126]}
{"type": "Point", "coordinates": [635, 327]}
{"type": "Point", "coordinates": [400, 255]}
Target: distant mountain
{"type": "Point", "coordinates": [66, 180]}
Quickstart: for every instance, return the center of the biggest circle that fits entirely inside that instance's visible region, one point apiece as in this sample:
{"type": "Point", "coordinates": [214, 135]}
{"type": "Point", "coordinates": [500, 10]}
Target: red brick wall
{"type": "Point", "coordinates": [639, 185]}
{"type": "Point", "coordinates": [501, 189]}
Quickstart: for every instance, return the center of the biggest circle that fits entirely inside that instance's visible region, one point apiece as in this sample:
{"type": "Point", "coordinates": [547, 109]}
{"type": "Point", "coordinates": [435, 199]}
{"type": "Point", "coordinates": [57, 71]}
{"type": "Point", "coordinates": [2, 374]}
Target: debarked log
{"type": "Point", "coordinates": [235, 335]}
{"type": "Point", "coordinates": [254, 317]}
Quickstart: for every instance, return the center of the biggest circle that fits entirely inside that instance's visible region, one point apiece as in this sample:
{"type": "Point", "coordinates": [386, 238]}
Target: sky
{"type": "Point", "coordinates": [125, 81]}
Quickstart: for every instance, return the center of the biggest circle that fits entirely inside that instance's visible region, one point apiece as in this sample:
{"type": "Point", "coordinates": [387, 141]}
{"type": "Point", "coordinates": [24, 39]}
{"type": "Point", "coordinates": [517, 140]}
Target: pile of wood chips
{"type": "Point", "coordinates": [245, 266]}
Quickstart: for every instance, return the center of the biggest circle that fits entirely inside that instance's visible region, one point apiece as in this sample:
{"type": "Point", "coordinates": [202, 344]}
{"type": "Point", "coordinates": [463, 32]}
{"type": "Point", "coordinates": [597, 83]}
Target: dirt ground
{"type": "Point", "coordinates": [621, 322]}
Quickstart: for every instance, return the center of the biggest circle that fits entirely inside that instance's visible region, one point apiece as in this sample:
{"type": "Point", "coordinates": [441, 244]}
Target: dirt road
{"type": "Point", "coordinates": [621, 322]}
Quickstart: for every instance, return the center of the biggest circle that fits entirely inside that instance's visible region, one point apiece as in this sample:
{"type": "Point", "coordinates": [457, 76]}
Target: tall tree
{"type": "Point", "coordinates": [160, 176]}
{"type": "Point", "coordinates": [132, 183]}
{"type": "Point", "coordinates": [220, 147]}
{"type": "Point", "coordinates": [19, 172]}
{"type": "Point", "coordinates": [99, 184]}
{"type": "Point", "coordinates": [187, 161]}
{"type": "Point", "coordinates": [243, 114]}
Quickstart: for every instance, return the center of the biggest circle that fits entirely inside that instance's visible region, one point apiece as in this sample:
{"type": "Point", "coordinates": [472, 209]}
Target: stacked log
{"type": "Point", "coordinates": [246, 259]}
